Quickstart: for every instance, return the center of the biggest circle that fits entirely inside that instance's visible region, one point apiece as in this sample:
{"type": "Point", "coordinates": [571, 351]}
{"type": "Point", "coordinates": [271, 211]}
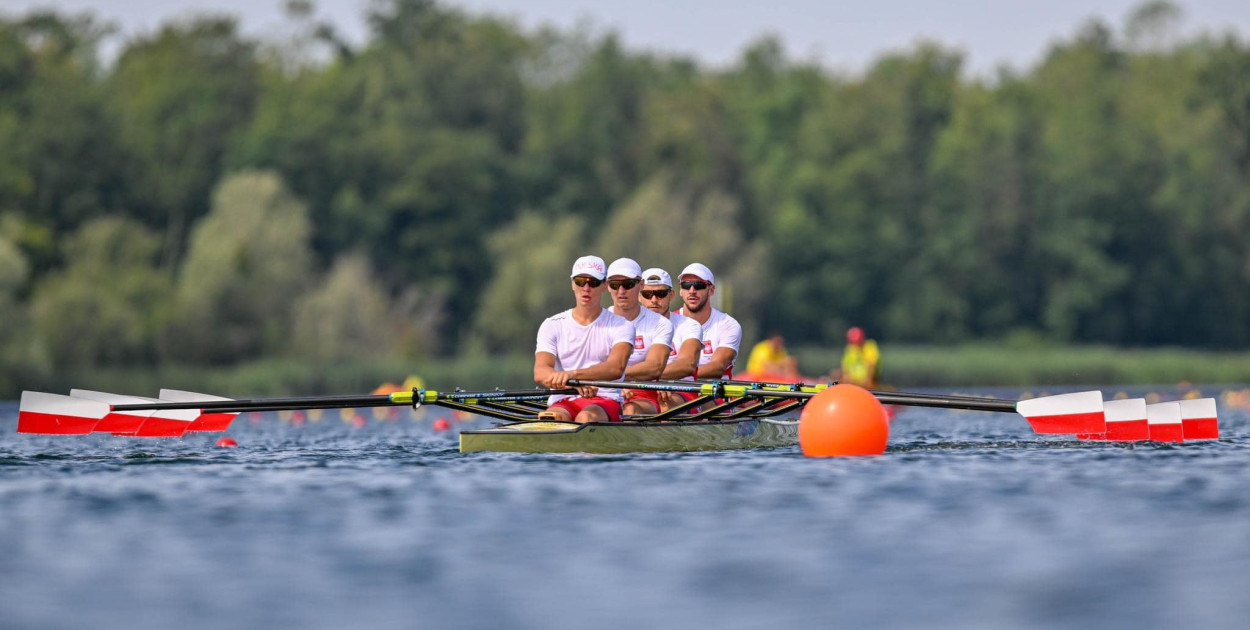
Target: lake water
{"type": "Point", "coordinates": [968, 521]}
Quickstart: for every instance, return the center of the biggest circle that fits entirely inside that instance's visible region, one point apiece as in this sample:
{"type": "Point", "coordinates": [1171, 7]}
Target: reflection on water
{"type": "Point", "coordinates": [969, 520]}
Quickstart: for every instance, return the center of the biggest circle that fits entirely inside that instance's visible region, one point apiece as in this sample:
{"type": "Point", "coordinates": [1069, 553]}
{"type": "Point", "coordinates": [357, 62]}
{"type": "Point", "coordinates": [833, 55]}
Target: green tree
{"type": "Point", "coordinates": [103, 308]}
{"type": "Point", "coordinates": [532, 257]}
{"type": "Point", "coordinates": [249, 262]}
{"type": "Point", "coordinates": [671, 222]}
{"type": "Point", "coordinates": [347, 316]}
{"type": "Point", "coordinates": [58, 167]}
{"type": "Point", "coordinates": [180, 97]}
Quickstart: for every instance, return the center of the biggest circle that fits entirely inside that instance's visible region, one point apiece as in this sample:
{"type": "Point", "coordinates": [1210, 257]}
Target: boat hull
{"type": "Point", "coordinates": [632, 437]}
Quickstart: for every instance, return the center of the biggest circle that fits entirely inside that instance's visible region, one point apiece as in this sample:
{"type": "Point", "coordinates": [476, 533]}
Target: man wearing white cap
{"type": "Point", "coordinates": [683, 359]}
{"type": "Point", "coordinates": [721, 333]}
{"type": "Point", "coordinates": [653, 334]}
{"type": "Point", "coordinates": [586, 342]}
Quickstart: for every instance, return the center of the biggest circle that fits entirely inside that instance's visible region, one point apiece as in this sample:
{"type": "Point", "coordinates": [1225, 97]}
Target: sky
{"type": "Point", "coordinates": [843, 36]}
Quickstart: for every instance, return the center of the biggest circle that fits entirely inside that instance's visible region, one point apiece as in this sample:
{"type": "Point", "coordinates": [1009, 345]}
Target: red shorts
{"type": "Point", "coordinates": [576, 404]}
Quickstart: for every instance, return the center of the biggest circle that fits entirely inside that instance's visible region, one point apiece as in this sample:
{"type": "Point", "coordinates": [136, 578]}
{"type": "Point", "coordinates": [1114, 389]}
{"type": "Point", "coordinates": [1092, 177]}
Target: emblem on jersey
{"type": "Point", "coordinates": [707, 346]}
{"type": "Point", "coordinates": [638, 343]}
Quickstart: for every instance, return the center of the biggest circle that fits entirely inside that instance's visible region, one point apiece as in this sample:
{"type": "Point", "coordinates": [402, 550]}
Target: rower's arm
{"type": "Point", "coordinates": [685, 363]}
{"type": "Point", "coordinates": [544, 367]}
{"type": "Point", "coordinates": [611, 369]}
{"type": "Point", "coordinates": [651, 366]}
{"type": "Point", "coordinates": [721, 360]}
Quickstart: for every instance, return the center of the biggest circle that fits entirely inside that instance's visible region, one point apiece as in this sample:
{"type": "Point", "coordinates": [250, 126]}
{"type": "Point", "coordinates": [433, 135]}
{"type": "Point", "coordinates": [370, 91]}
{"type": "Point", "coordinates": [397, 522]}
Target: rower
{"type": "Point", "coordinates": [721, 333]}
{"type": "Point", "coordinates": [586, 342]}
{"type": "Point", "coordinates": [653, 334]}
{"type": "Point", "coordinates": [861, 361]}
{"type": "Point", "coordinates": [657, 295]}
{"type": "Point", "coordinates": [768, 360]}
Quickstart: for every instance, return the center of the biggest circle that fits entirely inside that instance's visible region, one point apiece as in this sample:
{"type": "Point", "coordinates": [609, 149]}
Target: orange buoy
{"type": "Point", "coordinates": [226, 443]}
{"type": "Point", "coordinates": [441, 424]}
{"type": "Point", "coordinates": [843, 420]}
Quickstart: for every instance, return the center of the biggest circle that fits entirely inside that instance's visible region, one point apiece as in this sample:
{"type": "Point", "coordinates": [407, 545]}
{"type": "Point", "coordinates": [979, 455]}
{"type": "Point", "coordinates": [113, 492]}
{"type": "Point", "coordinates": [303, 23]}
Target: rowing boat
{"type": "Point", "coordinates": [632, 437]}
{"type": "Point", "coordinates": [722, 415]}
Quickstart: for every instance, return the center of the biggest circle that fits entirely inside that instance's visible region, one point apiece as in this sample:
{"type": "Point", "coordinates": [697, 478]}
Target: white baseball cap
{"type": "Point", "coordinates": [699, 270]}
{"type": "Point", "coordinates": [655, 275]}
{"type": "Point", "coordinates": [589, 266]}
{"type": "Point", "coordinates": [625, 267]}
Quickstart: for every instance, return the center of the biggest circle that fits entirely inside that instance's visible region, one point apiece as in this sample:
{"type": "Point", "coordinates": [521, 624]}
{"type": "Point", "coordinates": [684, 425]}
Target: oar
{"type": "Point", "coordinates": [1080, 412]}
{"type": "Point", "coordinates": [404, 398]}
{"type": "Point", "coordinates": [821, 386]}
{"type": "Point", "coordinates": [83, 412]}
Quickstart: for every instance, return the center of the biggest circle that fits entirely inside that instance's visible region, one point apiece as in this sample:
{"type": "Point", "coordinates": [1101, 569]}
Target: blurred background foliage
{"type": "Point", "coordinates": [209, 199]}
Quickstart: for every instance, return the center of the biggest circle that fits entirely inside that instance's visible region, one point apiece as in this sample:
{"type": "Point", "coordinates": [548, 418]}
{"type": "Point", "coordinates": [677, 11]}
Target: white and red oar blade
{"type": "Point", "coordinates": [1081, 412]}
{"type": "Point", "coordinates": [1126, 421]}
{"type": "Point", "coordinates": [167, 422]}
{"type": "Point", "coordinates": [208, 420]}
{"type": "Point", "coordinates": [53, 414]}
{"type": "Point", "coordinates": [1165, 422]}
{"type": "Point", "coordinates": [116, 422]}
{"type": "Point", "coordinates": [1199, 420]}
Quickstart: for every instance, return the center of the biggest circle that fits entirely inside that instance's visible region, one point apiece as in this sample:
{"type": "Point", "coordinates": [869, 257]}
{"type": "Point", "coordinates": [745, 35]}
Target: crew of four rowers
{"type": "Point", "coordinates": [592, 343]}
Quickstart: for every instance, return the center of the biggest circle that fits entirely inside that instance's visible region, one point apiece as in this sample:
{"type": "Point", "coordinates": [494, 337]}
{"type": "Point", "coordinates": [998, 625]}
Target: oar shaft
{"type": "Point", "coordinates": [875, 392]}
{"type": "Point", "coordinates": [925, 400]}
{"type": "Point", "coordinates": [722, 388]}
{"type": "Point", "coordinates": [340, 402]}
{"type": "Point", "coordinates": [309, 402]}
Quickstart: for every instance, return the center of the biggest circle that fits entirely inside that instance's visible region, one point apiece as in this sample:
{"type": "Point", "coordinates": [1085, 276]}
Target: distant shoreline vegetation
{"type": "Point", "coordinates": [255, 207]}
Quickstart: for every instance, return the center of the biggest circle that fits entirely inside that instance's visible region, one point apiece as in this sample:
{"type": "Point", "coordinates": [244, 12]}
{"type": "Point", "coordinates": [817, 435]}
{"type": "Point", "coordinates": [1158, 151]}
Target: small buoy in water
{"type": "Point", "coordinates": [843, 420]}
{"type": "Point", "coordinates": [297, 418]}
{"type": "Point", "coordinates": [441, 424]}
{"type": "Point", "coordinates": [358, 421]}
{"type": "Point", "coordinates": [226, 443]}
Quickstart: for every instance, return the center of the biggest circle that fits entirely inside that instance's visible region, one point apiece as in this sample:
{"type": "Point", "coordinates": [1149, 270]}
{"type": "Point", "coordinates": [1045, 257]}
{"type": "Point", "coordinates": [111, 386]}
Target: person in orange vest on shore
{"type": "Point", "coordinates": [861, 361]}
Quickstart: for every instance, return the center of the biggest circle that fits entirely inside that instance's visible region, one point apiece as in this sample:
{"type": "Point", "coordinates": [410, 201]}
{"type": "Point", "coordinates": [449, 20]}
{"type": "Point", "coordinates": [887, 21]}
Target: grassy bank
{"type": "Point", "coordinates": [903, 366]}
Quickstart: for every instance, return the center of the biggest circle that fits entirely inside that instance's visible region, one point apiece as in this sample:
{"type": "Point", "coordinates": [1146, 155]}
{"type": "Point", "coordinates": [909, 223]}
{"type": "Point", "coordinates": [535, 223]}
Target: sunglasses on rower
{"type": "Point", "coordinates": [696, 285]}
{"type": "Point", "coordinates": [582, 281]}
{"type": "Point", "coordinates": [627, 283]}
{"type": "Point", "coordinates": [654, 293]}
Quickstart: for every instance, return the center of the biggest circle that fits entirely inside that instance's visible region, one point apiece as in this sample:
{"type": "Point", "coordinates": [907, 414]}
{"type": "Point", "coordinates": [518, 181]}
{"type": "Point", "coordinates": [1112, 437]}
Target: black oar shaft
{"type": "Point", "coordinates": [909, 400]}
{"type": "Point", "coordinates": [268, 404]}
{"type": "Point", "coordinates": [343, 402]}
{"type": "Point", "coordinates": [734, 389]}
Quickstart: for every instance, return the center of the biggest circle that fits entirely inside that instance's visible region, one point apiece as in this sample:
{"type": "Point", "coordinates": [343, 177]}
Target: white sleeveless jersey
{"type": "Point", "coordinates": [720, 331]}
{"type": "Point", "coordinates": [649, 328]}
{"type": "Point", "coordinates": [684, 329]}
{"type": "Point", "coordinates": [576, 346]}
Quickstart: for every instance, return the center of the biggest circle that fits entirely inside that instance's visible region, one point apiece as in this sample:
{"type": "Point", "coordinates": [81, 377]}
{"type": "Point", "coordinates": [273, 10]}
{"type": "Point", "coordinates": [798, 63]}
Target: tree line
{"type": "Point", "coordinates": [210, 198]}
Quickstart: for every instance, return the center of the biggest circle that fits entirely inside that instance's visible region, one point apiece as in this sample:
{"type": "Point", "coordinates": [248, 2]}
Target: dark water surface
{"type": "Point", "coordinates": [968, 521]}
